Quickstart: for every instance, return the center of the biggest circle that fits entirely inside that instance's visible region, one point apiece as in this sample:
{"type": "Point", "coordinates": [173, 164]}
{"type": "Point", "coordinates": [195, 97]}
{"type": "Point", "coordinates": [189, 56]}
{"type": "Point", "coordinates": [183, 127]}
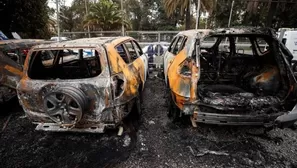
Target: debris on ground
{"type": "Point", "coordinates": [127, 141]}
{"type": "Point", "coordinates": [203, 152]}
{"type": "Point", "coordinates": [163, 144]}
{"type": "Point", "coordinates": [6, 123]}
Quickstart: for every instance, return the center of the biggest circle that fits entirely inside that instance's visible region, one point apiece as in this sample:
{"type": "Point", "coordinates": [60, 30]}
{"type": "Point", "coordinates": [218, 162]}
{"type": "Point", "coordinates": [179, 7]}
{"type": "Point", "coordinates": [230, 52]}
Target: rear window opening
{"type": "Point", "coordinates": [242, 74]}
{"type": "Point", "coordinates": [71, 63]}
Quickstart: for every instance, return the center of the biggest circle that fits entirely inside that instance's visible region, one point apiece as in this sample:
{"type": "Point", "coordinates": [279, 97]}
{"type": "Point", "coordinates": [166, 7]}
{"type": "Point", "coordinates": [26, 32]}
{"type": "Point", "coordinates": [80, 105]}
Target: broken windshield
{"type": "Point", "coordinates": [70, 63]}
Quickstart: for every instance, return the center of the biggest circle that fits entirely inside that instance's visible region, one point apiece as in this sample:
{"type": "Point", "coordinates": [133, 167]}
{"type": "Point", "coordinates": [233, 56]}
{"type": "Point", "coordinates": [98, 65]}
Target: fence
{"type": "Point", "coordinates": [143, 37]}
{"type": "Point", "coordinates": [159, 40]}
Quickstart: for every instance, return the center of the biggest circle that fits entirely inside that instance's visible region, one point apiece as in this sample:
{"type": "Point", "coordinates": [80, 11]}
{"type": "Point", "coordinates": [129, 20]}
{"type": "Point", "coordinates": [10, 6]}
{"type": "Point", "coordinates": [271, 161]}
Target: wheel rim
{"type": "Point", "coordinates": [63, 108]}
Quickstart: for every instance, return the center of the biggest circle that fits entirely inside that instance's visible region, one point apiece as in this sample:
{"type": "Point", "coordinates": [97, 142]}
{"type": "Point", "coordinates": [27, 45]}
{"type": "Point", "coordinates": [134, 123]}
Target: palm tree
{"type": "Point", "coordinates": [272, 7]}
{"type": "Point", "coordinates": [105, 15]}
{"type": "Point", "coordinates": [171, 7]}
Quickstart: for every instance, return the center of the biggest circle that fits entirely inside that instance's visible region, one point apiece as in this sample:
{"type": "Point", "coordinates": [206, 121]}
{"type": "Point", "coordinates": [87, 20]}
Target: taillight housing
{"type": "Point", "coordinates": [186, 68]}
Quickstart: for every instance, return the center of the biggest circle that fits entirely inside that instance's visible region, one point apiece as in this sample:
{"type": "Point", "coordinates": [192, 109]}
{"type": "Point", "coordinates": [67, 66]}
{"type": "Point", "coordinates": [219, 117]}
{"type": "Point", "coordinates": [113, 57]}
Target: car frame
{"type": "Point", "coordinates": [183, 72]}
{"type": "Point", "coordinates": [61, 99]}
{"type": "Point", "coordinates": [12, 56]}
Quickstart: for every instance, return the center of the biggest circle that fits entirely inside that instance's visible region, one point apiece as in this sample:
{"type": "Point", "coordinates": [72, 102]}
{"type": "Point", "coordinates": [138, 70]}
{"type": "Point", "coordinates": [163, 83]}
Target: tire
{"type": "Point", "coordinates": [147, 74]}
{"type": "Point", "coordinates": [65, 98]}
{"type": "Point", "coordinates": [137, 105]}
{"type": "Point", "coordinates": [174, 112]}
{"type": "Point", "coordinates": [133, 119]}
{"type": "Point", "coordinates": [294, 67]}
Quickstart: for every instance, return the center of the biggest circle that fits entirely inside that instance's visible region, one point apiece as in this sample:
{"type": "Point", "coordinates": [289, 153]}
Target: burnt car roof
{"type": "Point", "coordinates": [14, 44]}
{"type": "Point", "coordinates": [230, 31]}
{"type": "Point", "coordinates": [20, 41]}
{"type": "Point", "coordinates": [84, 42]}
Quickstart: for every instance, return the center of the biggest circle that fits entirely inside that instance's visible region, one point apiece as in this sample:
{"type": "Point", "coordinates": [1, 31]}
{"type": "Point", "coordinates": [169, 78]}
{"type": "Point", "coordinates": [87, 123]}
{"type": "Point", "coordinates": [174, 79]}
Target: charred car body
{"type": "Point", "coordinates": [12, 56]}
{"type": "Point", "coordinates": [236, 76]}
{"type": "Point", "coordinates": [83, 85]}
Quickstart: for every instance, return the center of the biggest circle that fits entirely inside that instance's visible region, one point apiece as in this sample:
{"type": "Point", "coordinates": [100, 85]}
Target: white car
{"type": "Point", "coordinates": [154, 52]}
{"type": "Point", "coordinates": [61, 38]}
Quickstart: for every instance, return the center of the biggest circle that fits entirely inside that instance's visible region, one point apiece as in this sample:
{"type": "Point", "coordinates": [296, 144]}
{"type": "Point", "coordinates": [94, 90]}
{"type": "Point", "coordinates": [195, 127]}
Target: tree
{"type": "Point", "coordinates": [220, 16]}
{"type": "Point", "coordinates": [146, 14]}
{"type": "Point", "coordinates": [28, 18]}
{"type": "Point", "coordinates": [272, 13]}
{"type": "Point", "coordinates": [172, 7]}
{"type": "Point", "coordinates": [69, 20]}
{"type": "Point", "coordinates": [104, 15]}
{"type": "Point", "coordinates": [163, 21]}
{"type": "Point", "coordinates": [135, 12]}
{"type": "Point", "coordinates": [285, 15]}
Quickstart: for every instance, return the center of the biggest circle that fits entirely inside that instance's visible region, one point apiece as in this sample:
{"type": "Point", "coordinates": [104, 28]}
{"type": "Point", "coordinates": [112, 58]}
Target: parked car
{"type": "Point", "coordinates": [10, 74]}
{"type": "Point", "coordinates": [18, 49]}
{"type": "Point", "coordinates": [221, 84]}
{"type": "Point", "coordinates": [12, 56]}
{"type": "Point", "coordinates": [61, 38]}
{"type": "Point", "coordinates": [153, 50]}
{"type": "Point", "coordinates": [64, 89]}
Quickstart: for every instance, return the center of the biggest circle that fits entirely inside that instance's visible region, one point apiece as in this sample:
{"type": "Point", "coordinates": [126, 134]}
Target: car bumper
{"type": "Point", "coordinates": [232, 119]}
{"type": "Point", "coordinates": [280, 119]}
{"type": "Point", "coordinates": [87, 125]}
{"type": "Point", "coordinates": [53, 127]}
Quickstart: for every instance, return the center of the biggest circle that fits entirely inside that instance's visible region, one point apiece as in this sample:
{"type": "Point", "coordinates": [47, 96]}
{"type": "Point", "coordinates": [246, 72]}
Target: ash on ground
{"type": "Point", "coordinates": [156, 142]}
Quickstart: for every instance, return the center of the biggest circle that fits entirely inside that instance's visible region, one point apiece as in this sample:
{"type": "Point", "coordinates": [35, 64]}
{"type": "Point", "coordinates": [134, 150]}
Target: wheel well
{"type": "Point", "coordinates": [140, 87]}
{"type": "Point", "coordinates": [167, 84]}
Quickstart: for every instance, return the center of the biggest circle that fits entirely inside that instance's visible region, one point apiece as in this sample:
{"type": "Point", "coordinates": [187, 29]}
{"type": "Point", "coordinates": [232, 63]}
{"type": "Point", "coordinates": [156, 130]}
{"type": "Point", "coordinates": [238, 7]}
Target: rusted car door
{"type": "Point", "coordinates": [138, 64]}
{"type": "Point", "coordinates": [129, 67]}
{"type": "Point", "coordinates": [172, 53]}
{"type": "Point", "coordinates": [140, 60]}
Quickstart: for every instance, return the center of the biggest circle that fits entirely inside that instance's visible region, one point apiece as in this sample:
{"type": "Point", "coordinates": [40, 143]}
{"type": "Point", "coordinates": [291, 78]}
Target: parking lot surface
{"type": "Point", "coordinates": [154, 142]}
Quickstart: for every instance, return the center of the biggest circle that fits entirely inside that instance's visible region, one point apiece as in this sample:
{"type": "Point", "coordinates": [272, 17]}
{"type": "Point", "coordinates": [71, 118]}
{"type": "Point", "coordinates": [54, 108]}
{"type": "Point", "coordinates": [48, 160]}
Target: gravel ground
{"type": "Point", "coordinates": [156, 143]}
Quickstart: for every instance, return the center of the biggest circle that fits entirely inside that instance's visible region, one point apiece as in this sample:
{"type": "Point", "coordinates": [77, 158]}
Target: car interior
{"type": "Point", "coordinates": [122, 53]}
{"type": "Point", "coordinates": [249, 77]}
{"type": "Point", "coordinates": [64, 64]}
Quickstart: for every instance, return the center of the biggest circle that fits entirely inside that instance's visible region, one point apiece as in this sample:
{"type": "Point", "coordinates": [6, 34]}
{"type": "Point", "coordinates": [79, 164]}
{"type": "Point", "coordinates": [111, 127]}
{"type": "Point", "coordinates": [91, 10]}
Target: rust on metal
{"type": "Point", "coordinates": [82, 85]}
{"type": "Point", "coordinates": [212, 82]}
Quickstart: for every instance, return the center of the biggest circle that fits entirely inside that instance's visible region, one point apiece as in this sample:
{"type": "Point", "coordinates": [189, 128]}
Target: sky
{"type": "Point", "coordinates": [52, 3]}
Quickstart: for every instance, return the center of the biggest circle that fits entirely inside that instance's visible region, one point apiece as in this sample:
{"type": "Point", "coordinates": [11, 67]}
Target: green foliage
{"type": "Point", "coordinates": [164, 22]}
{"type": "Point", "coordinates": [220, 16]}
{"type": "Point", "coordinates": [105, 15]}
{"type": "Point", "coordinates": [28, 18]}
{"type": "Point", "coordinates": [70, 20]}
{"type": "Point", "coordinates": [183, 7]}
{"type": "Point", "coordinates": [285, 15]}
{"type": "Point", "coordinates": [254, 13]}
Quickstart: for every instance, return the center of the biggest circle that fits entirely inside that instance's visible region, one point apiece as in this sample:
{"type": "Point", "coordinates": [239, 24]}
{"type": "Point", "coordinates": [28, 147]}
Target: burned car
{"type": "Point", "coordinates": [12, 56]}
{"type": "Point", "coordinates": [234, 76]}
{"type": "Point", "coordinates": [17, 50]}
{"type": "Point", "coordinates": [83, 85]}
{"type": "Point", "coordinates": [10, 75]}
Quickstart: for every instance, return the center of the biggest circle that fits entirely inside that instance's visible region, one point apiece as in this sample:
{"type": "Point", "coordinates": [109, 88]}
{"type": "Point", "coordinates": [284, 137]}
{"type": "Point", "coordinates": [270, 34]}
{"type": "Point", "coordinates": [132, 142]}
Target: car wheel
{"type": "Point", "coordinates": [174, 112]}
{"type": "Point", "coordinates": [294, 67]}
{"type": "Point", "coordinates": [65, 105]}
{"type": "Point", "coordinates": [137, 105]}
{"type": "Point", "coordinates": [133, 119]}
{"type": "Point", "coordinates": [147, 74]}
